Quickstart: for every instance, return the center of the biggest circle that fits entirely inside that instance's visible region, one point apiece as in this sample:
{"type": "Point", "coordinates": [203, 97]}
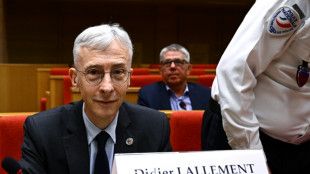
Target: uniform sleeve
{"type": "Point", "coordinates": [247, 56]}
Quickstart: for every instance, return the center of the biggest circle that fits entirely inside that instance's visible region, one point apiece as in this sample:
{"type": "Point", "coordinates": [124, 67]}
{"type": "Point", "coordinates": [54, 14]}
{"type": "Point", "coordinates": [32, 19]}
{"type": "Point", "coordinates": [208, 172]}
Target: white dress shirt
{"type": "Point", "coordinates": [175, 100]}
{"type": "Point", "coordinates": [256, 80]}
{"type": "Point", "coordinates": [92, 132]}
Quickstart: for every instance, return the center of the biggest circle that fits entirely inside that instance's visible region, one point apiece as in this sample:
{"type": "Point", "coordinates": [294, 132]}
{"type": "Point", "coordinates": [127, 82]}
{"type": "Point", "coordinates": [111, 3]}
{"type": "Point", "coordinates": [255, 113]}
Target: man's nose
{"type": "Point", "coordinates": [172, 64]}
{"type": "Point", "coordinates": [106, 85]}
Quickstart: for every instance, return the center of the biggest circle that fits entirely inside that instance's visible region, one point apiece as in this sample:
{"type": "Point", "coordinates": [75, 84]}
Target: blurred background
{"type": "Point", "coordinates": [37, 36]}
{"type": "Point", "coordinates": [43, 31]}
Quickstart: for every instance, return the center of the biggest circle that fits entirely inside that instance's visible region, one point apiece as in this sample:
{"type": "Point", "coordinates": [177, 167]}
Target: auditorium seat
{"type": "Point", "coordinates": [143, 80]}
{"type": "Point", "coordinates": [59, 71]}
{"type": "Point", "coordinates": [56, 72]}
{"type": "Point", "coordinates": [204, 66]}
{"type": "Point", "coordinates": [11, 136]}
{"type": "Point", "coordinates": [43, 104]}
{"type": "Point", "coordinates": [140, 71]}
{"type": "Point", "coordinates": [186, 130]}
{"type": "Point", "coordinates": [154, 66]}
{"type": "Point", "coordinates": [196, 72]}
{"type": "Point", "coordinates": [67, 89]}
{"type": "Point", "coordinates": [206, 80]}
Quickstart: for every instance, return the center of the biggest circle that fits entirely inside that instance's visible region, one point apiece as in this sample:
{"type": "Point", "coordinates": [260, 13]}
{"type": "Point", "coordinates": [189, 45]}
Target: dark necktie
{"type": "Point", "coordinates": [102, 162]}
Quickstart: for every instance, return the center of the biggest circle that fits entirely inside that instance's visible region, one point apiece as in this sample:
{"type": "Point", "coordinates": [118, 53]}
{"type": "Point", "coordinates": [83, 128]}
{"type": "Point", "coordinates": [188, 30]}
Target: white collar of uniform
{"type": "Point", "coordinates": [185, 93]}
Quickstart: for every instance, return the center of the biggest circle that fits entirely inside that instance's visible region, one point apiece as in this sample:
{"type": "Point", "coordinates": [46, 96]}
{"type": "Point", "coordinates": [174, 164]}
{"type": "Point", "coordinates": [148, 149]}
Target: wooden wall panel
{"type": "Point", "coordinates": [18, 86]}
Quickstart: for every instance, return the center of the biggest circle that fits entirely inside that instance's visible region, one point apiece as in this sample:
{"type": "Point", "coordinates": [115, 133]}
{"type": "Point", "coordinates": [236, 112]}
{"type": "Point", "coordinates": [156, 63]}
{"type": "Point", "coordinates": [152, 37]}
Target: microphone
{"type": "Point", "coordinates": [182, 105]}
{"type": "Point", "coordinates": [11, 166]}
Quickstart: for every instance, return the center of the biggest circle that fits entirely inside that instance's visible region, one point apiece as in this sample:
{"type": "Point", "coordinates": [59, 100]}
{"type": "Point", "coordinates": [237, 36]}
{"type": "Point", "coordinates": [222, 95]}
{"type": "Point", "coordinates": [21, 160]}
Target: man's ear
{"type": "Point", "coordinates": [73, 77]}
{"type": "Point", "coordinates": [131, 70]}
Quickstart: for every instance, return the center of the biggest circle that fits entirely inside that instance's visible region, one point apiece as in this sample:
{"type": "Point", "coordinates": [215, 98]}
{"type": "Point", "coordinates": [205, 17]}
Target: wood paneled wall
{"type": "Point", "coordinates": [43, 31]}
{"type": "Point", "coordinates": [18, 87]}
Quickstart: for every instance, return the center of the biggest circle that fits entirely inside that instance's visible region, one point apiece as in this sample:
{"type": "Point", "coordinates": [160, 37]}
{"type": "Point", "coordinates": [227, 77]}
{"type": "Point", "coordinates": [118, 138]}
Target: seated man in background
{"type": "Point", "coordinates": [174, 92]}
{"type": "Point", "coordinates": [67, 139]}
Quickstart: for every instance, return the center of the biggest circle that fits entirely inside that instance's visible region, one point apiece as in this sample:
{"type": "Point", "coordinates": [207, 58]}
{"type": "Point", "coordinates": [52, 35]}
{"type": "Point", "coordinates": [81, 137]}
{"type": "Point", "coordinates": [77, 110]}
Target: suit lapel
{"type": "Point", "coordinates": [194, 96]}
{"type": "Point", "coordinates": [125, 137]}
{"type": "Point", "coordinates": [75, 141]}
{"type": "Point", "coordinates": [165, 97]}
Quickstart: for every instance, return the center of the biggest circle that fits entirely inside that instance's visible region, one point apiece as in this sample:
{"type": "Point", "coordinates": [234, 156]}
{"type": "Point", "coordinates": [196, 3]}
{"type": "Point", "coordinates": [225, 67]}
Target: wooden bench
{"type": "Point", "coordinates": [43, 84]}
{"type": "Point", "coordinates": [207, 71]}
{"type": "Point", "coordinates": [5, 114]}
{"type": "Point", "coordinates": [131, 95]}
{"type": "Point", "coordinates": [55, 95]}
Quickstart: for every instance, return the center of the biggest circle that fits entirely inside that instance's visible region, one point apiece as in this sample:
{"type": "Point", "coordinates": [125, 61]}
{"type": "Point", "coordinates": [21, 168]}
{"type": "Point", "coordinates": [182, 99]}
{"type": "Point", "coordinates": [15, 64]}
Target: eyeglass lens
{"type": "Point", "coordinates": [95, 76]}
{"type": "Point", "coordinates": [177, 62]}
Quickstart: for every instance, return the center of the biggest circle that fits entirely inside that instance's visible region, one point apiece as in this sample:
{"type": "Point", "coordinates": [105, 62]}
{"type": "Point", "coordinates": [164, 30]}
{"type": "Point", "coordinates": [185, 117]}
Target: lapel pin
{"type": "Point", "coordinates": [129, 141]}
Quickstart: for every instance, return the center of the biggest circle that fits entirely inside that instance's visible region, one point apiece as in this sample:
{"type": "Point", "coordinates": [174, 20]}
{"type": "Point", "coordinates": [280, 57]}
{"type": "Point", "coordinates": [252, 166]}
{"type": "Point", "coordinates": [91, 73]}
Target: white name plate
{"type": "Point", "coordinates": [203, 162]}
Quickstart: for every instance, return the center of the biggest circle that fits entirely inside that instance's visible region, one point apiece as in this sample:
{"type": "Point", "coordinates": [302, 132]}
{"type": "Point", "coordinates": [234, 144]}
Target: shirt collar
{"type": "Point", "coordinates": [93, 131]}
{"type": "Point", "coordinates": [170, 91]}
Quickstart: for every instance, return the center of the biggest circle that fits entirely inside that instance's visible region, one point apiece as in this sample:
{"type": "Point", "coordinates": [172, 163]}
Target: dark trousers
{"type": "Point", "coordinates": [286, 158]}
{"type": "Point", "coordinates": [213, 136]}
{"type": "Point", "coordinates": [282, 158]}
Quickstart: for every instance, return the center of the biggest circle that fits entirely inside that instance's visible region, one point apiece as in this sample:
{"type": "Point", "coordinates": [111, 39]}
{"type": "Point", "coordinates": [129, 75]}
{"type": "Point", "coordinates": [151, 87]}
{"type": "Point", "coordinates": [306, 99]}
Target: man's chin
{"type": "Point", "coordinates": [174, 81]}
{"type": "Point", "coordinates": [106, 113]}
{"type": "Point", "coordinates": [107, 108]}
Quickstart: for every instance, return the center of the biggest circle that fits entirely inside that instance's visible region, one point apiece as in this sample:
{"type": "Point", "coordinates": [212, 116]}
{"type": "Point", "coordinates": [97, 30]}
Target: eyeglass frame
{"type": "Point", "coordinates": [103, 74]}
{"type": "Point", "coordinates": [168, 62]}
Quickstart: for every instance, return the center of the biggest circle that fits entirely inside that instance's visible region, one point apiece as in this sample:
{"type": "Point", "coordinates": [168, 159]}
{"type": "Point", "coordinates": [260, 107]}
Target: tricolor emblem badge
{"type": "Point", "coordinates": [302, 74]}
{"type": "Point", "coordinates": [285, 20]}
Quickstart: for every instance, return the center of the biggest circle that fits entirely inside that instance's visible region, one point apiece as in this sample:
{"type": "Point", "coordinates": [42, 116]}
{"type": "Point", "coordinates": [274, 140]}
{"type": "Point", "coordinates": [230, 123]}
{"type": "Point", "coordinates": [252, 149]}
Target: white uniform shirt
{"type": "Point", "coordinates": [256, 80]}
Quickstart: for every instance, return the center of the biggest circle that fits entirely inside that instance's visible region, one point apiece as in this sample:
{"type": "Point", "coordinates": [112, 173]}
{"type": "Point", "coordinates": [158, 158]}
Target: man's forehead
{"type": "Point", "coordinates": [109, 56]}
{"type": "Point", "coordinates": [173, 54]}
{"type": "Point", "coordinates": [106, 64]}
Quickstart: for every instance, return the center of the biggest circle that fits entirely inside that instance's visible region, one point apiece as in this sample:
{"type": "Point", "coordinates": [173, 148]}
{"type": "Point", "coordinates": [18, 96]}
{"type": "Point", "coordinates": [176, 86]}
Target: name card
{"type": "Point", "coordinates": [203, 162]}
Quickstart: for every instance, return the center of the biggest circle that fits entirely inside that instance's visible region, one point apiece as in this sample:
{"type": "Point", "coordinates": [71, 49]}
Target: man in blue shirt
{"type": "Point", "coordinates": [174, 92]}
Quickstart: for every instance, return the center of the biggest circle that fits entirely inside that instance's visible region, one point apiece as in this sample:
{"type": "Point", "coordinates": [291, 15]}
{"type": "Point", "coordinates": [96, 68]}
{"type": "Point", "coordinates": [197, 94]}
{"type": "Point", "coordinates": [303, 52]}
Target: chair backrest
{"type": "Point", "coordinates": [206, 80]}
{"type": "Point", "coordinates": [204, 66]}
{"type": "Point", "coordinates": [11, 136]}
{"type": "Point", "coordinates": [154, 66]}
{"type": "Point", "coordinates": [140, 71]}
{"type": "Point", "coordinates": [43, 104]}
{"type": "Point", "coordinates": [196, 72]}
{"type": "Point", "coordinates": [186, 130]}
{"type": "Point", "coordinates": [59, 71]}
{"type": "Point", "coordinates": [143, 80]}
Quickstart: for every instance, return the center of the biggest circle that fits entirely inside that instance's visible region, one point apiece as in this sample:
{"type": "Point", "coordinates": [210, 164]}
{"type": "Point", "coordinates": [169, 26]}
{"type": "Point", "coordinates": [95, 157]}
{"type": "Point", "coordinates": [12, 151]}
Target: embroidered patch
{"type": "Point", "coordinates": [284, 21]}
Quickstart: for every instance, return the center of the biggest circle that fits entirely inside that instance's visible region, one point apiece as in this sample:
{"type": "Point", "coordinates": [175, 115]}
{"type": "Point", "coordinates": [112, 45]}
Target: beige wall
{"type": "Point", "coordinates": [18, 87]}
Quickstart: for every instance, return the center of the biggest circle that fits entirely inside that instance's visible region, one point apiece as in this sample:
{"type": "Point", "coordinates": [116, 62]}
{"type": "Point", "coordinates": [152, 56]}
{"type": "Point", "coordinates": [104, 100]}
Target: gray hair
{"type": "Point", "coordinates": [100, 37]}
{"type": "Point", "coordinates": [175, 47]}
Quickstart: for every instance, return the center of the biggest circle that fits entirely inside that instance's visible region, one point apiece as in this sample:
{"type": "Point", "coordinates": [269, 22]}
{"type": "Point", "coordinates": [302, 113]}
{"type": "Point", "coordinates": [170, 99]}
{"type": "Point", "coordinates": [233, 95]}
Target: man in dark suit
{"type": "Point", "coordinates": [65, 139]}
{"type": "Point", "coordinates": [174, 93]}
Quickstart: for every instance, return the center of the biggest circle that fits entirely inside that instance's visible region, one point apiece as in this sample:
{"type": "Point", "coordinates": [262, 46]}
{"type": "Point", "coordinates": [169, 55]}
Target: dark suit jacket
{"type": "Point", "coordinates": [156, 96]}
{"type": "Point", "coordinates": [55, 141]}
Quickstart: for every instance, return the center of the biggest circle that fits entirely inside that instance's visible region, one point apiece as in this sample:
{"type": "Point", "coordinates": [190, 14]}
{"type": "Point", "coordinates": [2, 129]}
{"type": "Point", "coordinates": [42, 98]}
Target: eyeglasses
{"type": "Point", "coordinates": [177, 62]}
{"type": "Point", "coordinates": [94, 76]}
